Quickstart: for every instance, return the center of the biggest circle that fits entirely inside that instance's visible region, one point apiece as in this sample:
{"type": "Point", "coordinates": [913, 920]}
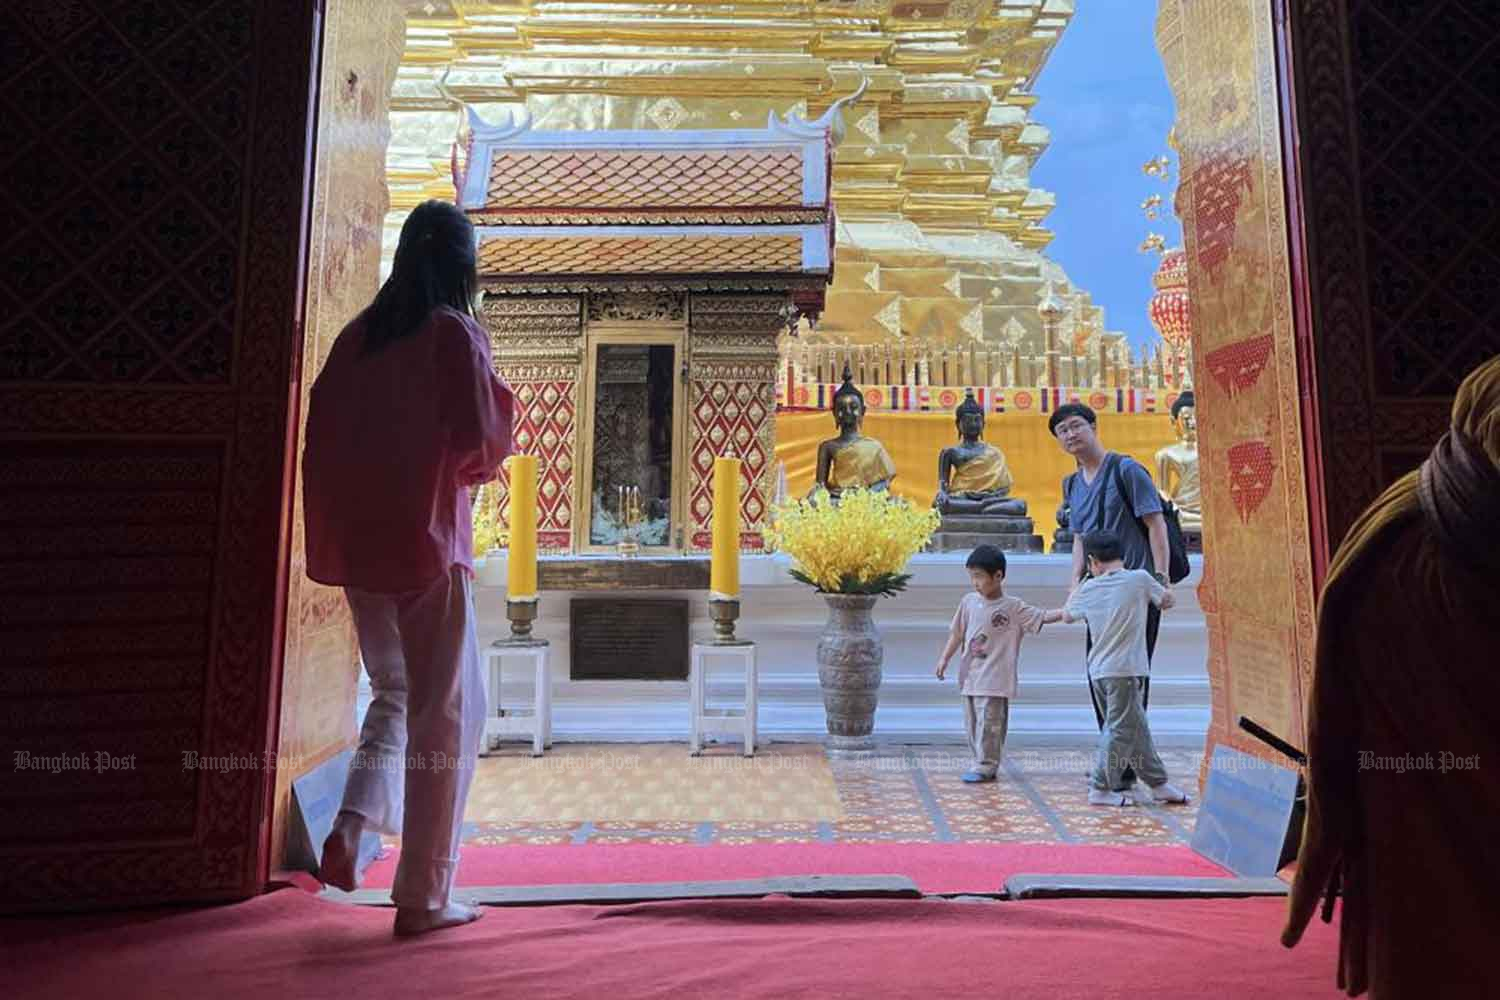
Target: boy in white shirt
{"type": "Point", "coordinates": [1114, 601]}
{"type": "Point", "coordinates": [988, 627]}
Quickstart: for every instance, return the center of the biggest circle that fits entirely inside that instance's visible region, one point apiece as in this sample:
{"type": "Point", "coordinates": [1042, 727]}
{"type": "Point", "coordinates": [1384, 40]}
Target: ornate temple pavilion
{"type": "Point", "coordinates": [636, 284]}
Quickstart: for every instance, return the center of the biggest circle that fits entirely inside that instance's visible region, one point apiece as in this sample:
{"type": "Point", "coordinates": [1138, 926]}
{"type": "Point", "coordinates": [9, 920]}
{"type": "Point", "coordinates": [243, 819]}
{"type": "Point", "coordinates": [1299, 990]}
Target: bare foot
{"type": "Point", "coordinates": [339, 867]}
{"type": "Point", "coordinates": [412, 922]}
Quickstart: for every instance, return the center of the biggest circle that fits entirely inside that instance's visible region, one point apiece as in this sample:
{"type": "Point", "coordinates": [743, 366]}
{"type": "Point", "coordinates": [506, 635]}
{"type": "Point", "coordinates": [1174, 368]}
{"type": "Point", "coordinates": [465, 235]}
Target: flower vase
{"type": "Point", "coordinates": [849, 657]}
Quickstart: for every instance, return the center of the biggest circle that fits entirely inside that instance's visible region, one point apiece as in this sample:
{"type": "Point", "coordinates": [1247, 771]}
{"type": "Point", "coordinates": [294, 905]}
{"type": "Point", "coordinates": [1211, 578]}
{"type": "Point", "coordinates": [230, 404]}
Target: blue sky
{"type": "Point", "coordinates": [1104, 95]}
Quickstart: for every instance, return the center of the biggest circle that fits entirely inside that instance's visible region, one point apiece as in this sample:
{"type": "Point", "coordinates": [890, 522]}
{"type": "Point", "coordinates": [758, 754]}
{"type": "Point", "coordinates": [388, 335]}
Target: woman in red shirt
{"type": "Point", "coordinates": [407, 415]}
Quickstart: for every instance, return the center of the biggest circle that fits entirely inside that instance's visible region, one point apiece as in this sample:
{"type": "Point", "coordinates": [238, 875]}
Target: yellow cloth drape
{"type": "Point", "coordinates": [863, 463]}
{"type": "Point", "coordinates": [984, 473]}
{"type": "Point", "coordinates": [914, 441]}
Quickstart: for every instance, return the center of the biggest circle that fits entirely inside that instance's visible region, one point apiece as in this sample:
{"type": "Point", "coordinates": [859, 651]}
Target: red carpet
{"type": "Point", "coordinates": [290, 944]}
{"type": "Point", "coordinates": [934, 867]}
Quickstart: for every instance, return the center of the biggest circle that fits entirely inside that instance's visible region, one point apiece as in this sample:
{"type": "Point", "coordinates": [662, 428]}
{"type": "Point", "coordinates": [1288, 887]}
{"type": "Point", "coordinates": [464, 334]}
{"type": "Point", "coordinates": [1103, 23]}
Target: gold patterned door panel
{"type": "Point", "coordinates": [362, 47]}
{"type": "Point", "coordinates": [1257, 589]}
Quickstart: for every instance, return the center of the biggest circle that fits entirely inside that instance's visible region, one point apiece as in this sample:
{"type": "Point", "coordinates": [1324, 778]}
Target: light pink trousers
{"type": "Point", "coordinates": [421, 734]}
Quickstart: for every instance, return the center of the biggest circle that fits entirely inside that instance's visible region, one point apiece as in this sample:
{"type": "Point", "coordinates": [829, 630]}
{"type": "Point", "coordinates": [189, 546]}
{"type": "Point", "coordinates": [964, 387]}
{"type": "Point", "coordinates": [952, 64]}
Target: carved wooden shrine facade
{"type": "Point", "coordinates": [712, 242]}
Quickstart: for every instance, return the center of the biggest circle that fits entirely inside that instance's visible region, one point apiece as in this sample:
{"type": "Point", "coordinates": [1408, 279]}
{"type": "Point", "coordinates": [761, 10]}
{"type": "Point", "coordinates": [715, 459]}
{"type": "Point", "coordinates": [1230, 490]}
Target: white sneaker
{"type": "Point", "coordinates": [1168, 794]}
{"type": "Point", "coordinates": [1102, 797]}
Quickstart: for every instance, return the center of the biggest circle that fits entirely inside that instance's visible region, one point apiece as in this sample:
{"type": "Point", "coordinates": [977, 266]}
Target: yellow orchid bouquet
{"type": "Point", "coordinates": [859, 545]}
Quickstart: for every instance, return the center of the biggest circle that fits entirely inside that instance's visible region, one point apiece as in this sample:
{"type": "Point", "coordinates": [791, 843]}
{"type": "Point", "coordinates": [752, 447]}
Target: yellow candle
{"type": "Point", "coordinates": [521, 582]}
{"type": "Point", "coordinates": [724, 571]}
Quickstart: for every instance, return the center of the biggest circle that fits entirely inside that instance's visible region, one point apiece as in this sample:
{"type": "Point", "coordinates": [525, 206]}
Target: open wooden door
{"type": "Point", "coordinates": [362, 46]}
{"type": "Point", "coordinates": [154, 188]}
{"type": "Point", "coordinates": [1251, 376]}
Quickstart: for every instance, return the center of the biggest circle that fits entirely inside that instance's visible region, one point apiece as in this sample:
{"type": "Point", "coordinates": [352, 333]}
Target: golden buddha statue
{"type": "Point", "coordinates": [851, 460]}
{"type": "Point", "coordinates": [1177, 465]}
{"type": "Point", "coordinates": [972, 476]}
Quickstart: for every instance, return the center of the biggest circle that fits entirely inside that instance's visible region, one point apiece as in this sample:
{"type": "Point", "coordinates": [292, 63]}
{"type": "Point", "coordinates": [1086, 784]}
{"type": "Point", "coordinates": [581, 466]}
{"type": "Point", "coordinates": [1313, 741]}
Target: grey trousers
{"type": "Point", "coordinates": [1125, 740]}
{"type": "Point", "coordinates": [985, 720]}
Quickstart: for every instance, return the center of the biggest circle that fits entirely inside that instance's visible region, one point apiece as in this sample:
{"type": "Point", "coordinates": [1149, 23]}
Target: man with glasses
{"type": "Point", "coordinates": [1111, 492]}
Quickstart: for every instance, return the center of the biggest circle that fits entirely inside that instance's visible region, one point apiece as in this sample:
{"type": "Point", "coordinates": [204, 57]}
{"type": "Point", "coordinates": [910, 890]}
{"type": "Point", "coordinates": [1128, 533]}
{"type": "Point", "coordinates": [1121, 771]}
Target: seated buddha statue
{"type": "Point", "coordinates": [972, 476]}
{"type": "Point", "coordinates": [1177, 465]}
{"type": "Point", "coordinates": [851, 460]}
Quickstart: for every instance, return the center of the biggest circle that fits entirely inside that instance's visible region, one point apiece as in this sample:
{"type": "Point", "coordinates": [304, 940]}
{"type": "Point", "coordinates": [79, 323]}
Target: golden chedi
{"type": "Point", "coordinates": [941, 231]}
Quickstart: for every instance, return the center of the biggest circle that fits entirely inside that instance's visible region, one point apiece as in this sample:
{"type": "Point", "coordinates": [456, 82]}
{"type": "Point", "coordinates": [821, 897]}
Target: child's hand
{"type": "Point", "coordinates": [941, 671]}
{"type": "Point", "coordinates": [1168, 599]}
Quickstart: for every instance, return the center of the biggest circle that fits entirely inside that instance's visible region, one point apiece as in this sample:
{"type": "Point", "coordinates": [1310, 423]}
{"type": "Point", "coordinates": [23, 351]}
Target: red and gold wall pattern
{"type": "Point", "coordinates": [733, 413]}
{"type": "Point", "coordinates": [546, 414]}
{"type": "Point", "coordinates": [732, 407]}
{"type": "Point", "coordinates": [538, 349]}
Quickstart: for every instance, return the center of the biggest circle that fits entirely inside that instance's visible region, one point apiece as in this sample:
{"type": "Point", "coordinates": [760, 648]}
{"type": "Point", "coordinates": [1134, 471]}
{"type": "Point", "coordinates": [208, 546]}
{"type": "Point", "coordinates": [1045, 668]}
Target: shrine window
{"type": "Point", "coordinates": [635, 466]}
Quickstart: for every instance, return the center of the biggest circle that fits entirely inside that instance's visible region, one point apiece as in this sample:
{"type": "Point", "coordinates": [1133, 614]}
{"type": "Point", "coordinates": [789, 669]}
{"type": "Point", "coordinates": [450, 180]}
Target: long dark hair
{"type": "Point", "coordinates": [435, 266]}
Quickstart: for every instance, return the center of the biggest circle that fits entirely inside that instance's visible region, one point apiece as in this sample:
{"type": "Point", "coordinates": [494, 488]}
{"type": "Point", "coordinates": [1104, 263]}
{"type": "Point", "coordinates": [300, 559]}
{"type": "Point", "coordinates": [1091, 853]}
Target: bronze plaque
{"type": "Point", "coordinates": [628, 639]}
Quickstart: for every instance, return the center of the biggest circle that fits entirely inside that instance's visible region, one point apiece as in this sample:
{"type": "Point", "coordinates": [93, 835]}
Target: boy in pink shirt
{"type": "Point", "coordinates": [988, 628]}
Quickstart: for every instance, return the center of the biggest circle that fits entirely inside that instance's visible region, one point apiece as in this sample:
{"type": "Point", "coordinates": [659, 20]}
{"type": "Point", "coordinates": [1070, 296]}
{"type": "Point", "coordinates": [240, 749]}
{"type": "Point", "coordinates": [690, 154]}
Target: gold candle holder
{"type": "Point", "coordinates": [628, 517]}
{"type": "Point", "coordinates": [521, 614]}
{"type": "Point", "coordinates": [724, 612]}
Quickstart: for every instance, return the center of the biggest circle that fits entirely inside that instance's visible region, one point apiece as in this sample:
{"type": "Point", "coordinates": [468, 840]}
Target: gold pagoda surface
{"type": "Point", "coordinates": [940, 231]}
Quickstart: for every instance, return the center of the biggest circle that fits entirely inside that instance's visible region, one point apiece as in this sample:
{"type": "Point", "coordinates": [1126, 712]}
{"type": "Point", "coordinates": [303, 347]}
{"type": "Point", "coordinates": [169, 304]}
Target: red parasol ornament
{"type": "Point", "coordinates": [1168, 308]}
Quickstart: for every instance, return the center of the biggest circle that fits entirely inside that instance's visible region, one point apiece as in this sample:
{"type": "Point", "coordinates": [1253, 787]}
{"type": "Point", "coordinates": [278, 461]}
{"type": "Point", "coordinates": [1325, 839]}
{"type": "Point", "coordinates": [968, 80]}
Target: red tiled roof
{"type": "Point", "coordinates": [644, 179]}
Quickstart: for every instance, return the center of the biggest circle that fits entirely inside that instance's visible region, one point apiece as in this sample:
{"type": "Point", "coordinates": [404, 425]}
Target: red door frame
{"type": "Point", "coordinates": [265, 850]}
{"type": "Point", "coordinates": [1301, 283]}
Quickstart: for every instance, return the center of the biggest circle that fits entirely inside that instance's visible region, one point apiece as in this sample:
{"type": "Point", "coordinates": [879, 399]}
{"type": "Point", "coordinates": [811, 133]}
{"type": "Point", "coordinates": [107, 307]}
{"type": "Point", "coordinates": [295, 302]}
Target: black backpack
{"type": "Point", "coordinates": [1177, 560]}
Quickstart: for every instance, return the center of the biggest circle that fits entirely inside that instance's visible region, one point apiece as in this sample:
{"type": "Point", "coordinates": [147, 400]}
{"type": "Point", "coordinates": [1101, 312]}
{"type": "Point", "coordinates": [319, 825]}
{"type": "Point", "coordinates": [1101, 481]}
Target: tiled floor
{"type": "Point", "coordinates": [633, 793]}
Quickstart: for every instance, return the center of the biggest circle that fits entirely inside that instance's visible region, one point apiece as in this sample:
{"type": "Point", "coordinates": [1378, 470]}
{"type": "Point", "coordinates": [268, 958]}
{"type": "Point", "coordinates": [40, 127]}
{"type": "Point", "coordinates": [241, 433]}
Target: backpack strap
{"type": "Point", "coordinates": [1119, 478]}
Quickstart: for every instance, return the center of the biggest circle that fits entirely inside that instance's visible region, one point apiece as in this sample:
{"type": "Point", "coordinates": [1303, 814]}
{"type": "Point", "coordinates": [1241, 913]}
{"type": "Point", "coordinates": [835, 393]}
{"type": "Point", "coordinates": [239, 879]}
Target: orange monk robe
{"type": "Point", "coordinates": [984, 473]}
{"type": "Point", "coordinates": [859, 464]}
{"type": "Point", "coordinates": [1404, 736]}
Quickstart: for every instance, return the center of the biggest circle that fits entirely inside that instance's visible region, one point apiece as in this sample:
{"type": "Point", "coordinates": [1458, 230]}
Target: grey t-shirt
{"type": "Point", "coordinates": [1086, 499]}
{"type": "Point", "coordinates": [1114, 605]}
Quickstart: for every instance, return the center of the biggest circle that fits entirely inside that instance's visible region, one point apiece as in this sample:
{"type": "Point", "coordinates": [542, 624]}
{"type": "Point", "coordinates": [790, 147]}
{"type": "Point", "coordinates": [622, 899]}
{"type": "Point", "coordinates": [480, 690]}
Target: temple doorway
{"type": "Point", "coordinates": [720, 329]}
